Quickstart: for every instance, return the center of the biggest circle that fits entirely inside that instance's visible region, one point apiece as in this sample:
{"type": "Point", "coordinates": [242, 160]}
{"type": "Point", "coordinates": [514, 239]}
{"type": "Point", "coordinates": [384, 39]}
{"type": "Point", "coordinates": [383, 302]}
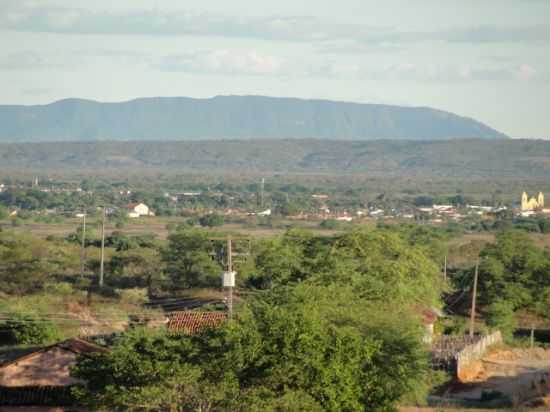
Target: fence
{"type": "Point", "coordinates": [445, 349]}
{"type": "Point", "coordinates": [471, 353]}
{"type": "Point", "coordinates": [456, 353]}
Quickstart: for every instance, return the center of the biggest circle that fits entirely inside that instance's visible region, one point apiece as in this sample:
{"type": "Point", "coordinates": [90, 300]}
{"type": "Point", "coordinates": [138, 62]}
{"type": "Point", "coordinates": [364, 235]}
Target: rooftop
{"type": "Point", "coordinates": [191, 322]}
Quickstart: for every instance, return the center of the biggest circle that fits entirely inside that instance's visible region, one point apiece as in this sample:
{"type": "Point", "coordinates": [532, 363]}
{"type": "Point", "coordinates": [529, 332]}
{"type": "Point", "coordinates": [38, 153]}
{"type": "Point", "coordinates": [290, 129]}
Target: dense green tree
{"type": "Point", "coordinates": [513, 269]}
{"type": "Point", "coordinates": [28, 329]}
{"type": "Point", "coordinates": [135, 268]}
{"type": "Point", "coordinates": [500, 316]}
{"type": "Point", "coordinates": [382, 266]}
{"type": "Point", "coordinates": [287, 259]}
{"type": "Point", "coordinates": [302, 348]}
{"type": "Point", "coordinates": [211, 220]}
{"type": "Point", "coordinates": [188, 260]}
{"type": "Point", "coordinates": [288, 209]}
{"type": "Point", "coordinates": [26, 262]}
{"type": "Point", "coordinates": [330, 224]}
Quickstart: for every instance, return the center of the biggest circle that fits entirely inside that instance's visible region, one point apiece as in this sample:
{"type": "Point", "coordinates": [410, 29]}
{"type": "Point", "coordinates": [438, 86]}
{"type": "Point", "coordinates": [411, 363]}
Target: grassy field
{"type": "Point", "coordinates": [464, 249]}
{"type": "Point", "coordinates": [158, 226]}
{"type": "Point", "coordinates": [74, 315]}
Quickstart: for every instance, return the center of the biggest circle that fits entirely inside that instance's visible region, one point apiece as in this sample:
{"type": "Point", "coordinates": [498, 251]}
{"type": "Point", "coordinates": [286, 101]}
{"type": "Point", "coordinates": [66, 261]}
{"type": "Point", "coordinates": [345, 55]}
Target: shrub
{"type": "Point", "coordinates": [134, 295]}
{"type": "Point", "coordinates": [211, 220]}
{"type": "Point", "coordinates": [59, 288]}
{"type": "Point", "coordinates": [30, 330]}
{"type": "Point", "coordinates": [16, 221]}
{"type": "Point", "coordinates": [330, 224]}
{"type": "Point", "coordinates": [500, 315]}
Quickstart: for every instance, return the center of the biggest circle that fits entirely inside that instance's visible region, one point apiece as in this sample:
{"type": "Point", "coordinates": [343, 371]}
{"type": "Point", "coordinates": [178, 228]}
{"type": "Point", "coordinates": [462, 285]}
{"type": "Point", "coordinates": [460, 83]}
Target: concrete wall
{"type": "Point", "coordinates": [468, 356]}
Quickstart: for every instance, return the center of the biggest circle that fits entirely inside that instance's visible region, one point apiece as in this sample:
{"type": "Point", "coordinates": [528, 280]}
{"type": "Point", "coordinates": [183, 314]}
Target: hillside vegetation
{"type": "Point", "coordinates": [231, 117]}
{"type": "Point", "coordinates": [457, 158]}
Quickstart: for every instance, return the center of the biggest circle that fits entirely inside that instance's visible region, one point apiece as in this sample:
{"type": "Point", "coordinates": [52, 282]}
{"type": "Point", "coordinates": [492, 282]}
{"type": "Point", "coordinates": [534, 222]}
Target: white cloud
{"type": "Point", "coordinates": [426, 72]}
{"type": "Point", "coordinates": [526, 72]}
{"type": "Point", "coordinates": [223, 62]}
{"type": "Point", "coordinates": [38, 17]}
{"type": "Point", "coordinates": [62, 19]}
{"type": "Point", "coordinates": [22, 60]}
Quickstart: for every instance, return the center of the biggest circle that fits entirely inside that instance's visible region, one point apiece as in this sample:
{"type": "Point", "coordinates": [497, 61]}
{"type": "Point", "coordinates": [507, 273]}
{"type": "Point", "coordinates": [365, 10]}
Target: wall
{"type": "Point", "coordinates": [468, 356]}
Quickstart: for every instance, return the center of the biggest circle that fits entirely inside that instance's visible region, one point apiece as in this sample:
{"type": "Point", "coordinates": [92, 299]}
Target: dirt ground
{"type": "Point", "coordinates": [522, 375]}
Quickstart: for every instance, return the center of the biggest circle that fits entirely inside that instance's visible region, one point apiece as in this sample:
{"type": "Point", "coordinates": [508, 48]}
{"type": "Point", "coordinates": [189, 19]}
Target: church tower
{"type": "Point", "coordinates": [524, 201]}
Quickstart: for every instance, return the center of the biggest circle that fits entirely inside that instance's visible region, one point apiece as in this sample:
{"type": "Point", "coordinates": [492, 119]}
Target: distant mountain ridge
{"type": "Point", "coordinates": [231, 117]}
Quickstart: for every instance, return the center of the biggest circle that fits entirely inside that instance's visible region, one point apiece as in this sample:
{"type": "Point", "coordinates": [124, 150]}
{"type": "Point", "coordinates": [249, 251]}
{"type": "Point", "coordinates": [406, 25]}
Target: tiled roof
{"type": "Point", "coordinates": [190, 322]}
{"type": "Point", "coordinates": [131, 206]}
{"type": "Point", "coordinates": [75, 345]}
{"type": "Point", "coordinates": [81, 346]}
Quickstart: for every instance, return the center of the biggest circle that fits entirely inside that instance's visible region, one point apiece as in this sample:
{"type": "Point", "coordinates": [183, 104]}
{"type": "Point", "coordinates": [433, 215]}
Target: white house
{"type": "Point", "coordinates": [138, 209]}
{"type": "Point", "coordinates": [376, 213]}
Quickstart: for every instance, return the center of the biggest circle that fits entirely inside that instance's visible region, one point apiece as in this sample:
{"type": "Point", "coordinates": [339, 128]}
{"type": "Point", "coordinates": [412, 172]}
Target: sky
{"type": "Point", "coordinates": [485, 59]}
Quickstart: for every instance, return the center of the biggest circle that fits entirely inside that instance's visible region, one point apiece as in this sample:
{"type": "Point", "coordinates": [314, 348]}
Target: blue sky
{"type": "Point", "coordinates": [487, 59]}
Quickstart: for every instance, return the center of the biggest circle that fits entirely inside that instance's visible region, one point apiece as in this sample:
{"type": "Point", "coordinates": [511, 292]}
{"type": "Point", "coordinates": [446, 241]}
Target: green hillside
{"type": "Point", "coordinates": [458, 158]}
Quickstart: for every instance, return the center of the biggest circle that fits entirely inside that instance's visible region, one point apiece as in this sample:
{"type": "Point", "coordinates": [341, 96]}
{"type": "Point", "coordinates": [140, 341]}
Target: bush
{"type": "Point", "coordinates": [30, 330]}
{"type": "Point", "coordinates": [16, 221]}
{"type": "Point", "coordinates": [211, 220]}
{"type": "Point", "coordinates": [500, 315]}
{"type": "Point", "coordinates": [134, 295]}
{"type": "Point", "coordinates": [330, 224]}
{"type": "Point", "coordinates": [60, 288]}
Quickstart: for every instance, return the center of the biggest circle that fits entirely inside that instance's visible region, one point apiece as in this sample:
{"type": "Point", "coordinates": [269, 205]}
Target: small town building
{"type": "Point", "coordinates": [266, 212]}
{"type": "Point", "coordinates": [528, 204]}
{"type": "Point", "coordinates": [138, 209]}
{"type": "Point", "coordinates": [428, 317]}
{"type": "Point", "coordinates": [319, 196]}
{"type": "Point", "coordinates": [43, 377]}
{"type": "Point", "coordinates": [376, 213]}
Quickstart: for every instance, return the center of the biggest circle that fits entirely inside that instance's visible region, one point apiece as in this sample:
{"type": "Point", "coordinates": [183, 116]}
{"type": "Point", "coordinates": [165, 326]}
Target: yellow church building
{"type": "Point", "coordinates": [532, 203]}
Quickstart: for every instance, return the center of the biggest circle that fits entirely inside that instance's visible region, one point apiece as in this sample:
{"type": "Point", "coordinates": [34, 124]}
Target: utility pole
{"type": "Point", "coordinates": [230, 270]}
{"type": "Point", "coordinates": [474, 297]}
{"type": "Point", "coordinates": [262, 193]}
{"type": "Point", "coordinates": [83, 247]}
{"type": "Point", "coordinates": [445, 269]}
{"type": "Point", "coordinates": [101, 266]}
